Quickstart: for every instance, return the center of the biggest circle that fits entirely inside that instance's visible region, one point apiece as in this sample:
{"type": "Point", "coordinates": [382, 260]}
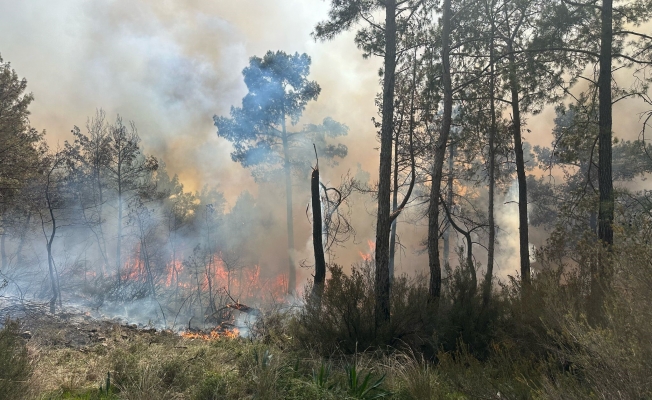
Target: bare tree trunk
{"type": "Point", "coordinates": [292, 274]}
{"type": "Point", "coordinates": [118, 250]}
{"type": "Point", "coordinates": [486, 293]}
{"type": "Point", "coordinates": [209, 266]}
{"type": "Point", "coordinates": [524, 243]}
{"type": "Point", "coordinates": [392, 234]}
{"type": "Point", "coordinates": [320, 261]}
{"type": "Point", "coordinates": [101, 240]}
{"type": "Point", "coordinates": [144, 253]}
{"type": "Point", "coordinates": [605, 179]}
{"type": "Point", "coordinates": [383, 221]}
{"type": "Point", "coordinates": [48, 244]}
{"type": "Point", "coordinates": [434, 263]}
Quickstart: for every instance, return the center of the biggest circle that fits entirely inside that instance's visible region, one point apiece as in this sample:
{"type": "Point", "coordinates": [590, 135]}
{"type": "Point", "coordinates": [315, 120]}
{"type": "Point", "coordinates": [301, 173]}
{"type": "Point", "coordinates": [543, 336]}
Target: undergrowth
{"type": "Point", "coordinates": [523, 344]}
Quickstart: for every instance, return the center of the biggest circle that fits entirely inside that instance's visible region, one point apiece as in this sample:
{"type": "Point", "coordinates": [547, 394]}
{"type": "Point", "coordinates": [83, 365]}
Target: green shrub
{"type": "Point", "coordinates": [343, 319]}
{"type": "Point", "coordinates": [15, 368]}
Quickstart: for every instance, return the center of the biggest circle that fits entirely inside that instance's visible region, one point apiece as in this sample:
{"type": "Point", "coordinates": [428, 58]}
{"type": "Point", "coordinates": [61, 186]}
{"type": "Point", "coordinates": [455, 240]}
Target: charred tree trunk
{"type": "Point", "coordinates": [434, 263]}
{"type": "Point", "coordinates": [524, 242]}
{"type": "Point", "coordinates": [383, 221]}
{"type": "Point", "coordinates": [292, 274]}
{"type": "Point", "coordinates": [606, 206]}
{"type": "Point", "coordinates": [320, 260]}
{"type": "Point", "coordinates": [486, 292]}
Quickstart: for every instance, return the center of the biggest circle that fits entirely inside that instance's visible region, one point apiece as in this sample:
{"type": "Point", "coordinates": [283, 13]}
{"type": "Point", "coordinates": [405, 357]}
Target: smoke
{"type": "Point", "coordinates": [171, 66]}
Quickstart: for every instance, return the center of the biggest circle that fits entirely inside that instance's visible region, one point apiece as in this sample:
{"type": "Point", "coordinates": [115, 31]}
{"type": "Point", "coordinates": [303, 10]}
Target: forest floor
{"type": "Point", "coordinates": [72, 354]}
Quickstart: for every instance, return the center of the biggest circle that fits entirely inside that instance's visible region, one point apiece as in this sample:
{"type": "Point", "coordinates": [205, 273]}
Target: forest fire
{"type": "Point", "coordinates": [206, 274]}
{"type": "Point", "coordinates": [215, 334]}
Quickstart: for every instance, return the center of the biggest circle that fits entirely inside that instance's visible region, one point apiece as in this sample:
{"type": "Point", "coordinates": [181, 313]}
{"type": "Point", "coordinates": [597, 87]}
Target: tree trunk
{"type": "Point", "coordinates": [101, 243]}
{"type": "Point", "coordinates": [486, 292]}
{"type": "Point", "coordinates": [118, 250]}
{"type": "Point", "coordinates": [320, 261]}
{"type": "Point", "coordinates": [292, 274]}
{"type": "Point", "coordinates": [470, 267]}
{"type": "Point", "coordinates": [383, 222]}
{"type": "Point", "coordinates": [440, 153]}
{"type": "Point", "coordinates": [48, 245]}
{"type": "Point", "coordinates": [606, 206]}
{"type": "Point", "coordinates": [392, 234]}
{"type": "Point", "coordinates": [524, 243]}
{"type": "Point", "coordinates": [145, 259]}
{"type": "Point", "coordinates": [3, 250]}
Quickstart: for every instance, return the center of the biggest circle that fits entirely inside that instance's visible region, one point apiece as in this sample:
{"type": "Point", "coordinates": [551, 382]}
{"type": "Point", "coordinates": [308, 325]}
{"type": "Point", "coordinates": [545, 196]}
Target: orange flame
{"type": "Point", "coordinates": [372, 248]}
{"type": "Point", "coordinates": [212, 335]}
{"type": "Point", "coordinates": [245, 284]}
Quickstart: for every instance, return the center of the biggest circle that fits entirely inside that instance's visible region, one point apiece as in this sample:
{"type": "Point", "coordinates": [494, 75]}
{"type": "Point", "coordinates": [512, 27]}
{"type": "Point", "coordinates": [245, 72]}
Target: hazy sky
{"type": "Point", "coordinates": [171, 65]}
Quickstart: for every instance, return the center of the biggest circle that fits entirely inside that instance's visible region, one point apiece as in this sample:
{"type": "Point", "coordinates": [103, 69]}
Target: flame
{"type": "Point", "coordinates": [372, 248]}
{"type": "Point", "coordinates": [244, 284]}
{"type": "Point", "coordinates": [212, 335]}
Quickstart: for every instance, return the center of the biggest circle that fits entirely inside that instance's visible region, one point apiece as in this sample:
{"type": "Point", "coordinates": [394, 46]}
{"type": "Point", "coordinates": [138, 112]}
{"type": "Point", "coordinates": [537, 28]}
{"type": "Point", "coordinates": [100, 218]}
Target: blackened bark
{"type": "Point", "coordinates": [320, 261]}
{"type": "Point", "coordinates": [524, 248]}
{"type": "Point", "coordinates": [606, 209]}
{"type": "Point", "coordinates": [434, 263]}
{"type": "Point", "coordinates": [486, 292]}
{"type": "Point", "coordinates": [383, 221]}
{"type": "Point", "coordinates": [605, 180]}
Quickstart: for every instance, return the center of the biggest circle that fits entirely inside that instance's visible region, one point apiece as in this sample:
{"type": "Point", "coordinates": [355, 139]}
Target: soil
{"type": "Point", "coordinates": [71, 327]}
